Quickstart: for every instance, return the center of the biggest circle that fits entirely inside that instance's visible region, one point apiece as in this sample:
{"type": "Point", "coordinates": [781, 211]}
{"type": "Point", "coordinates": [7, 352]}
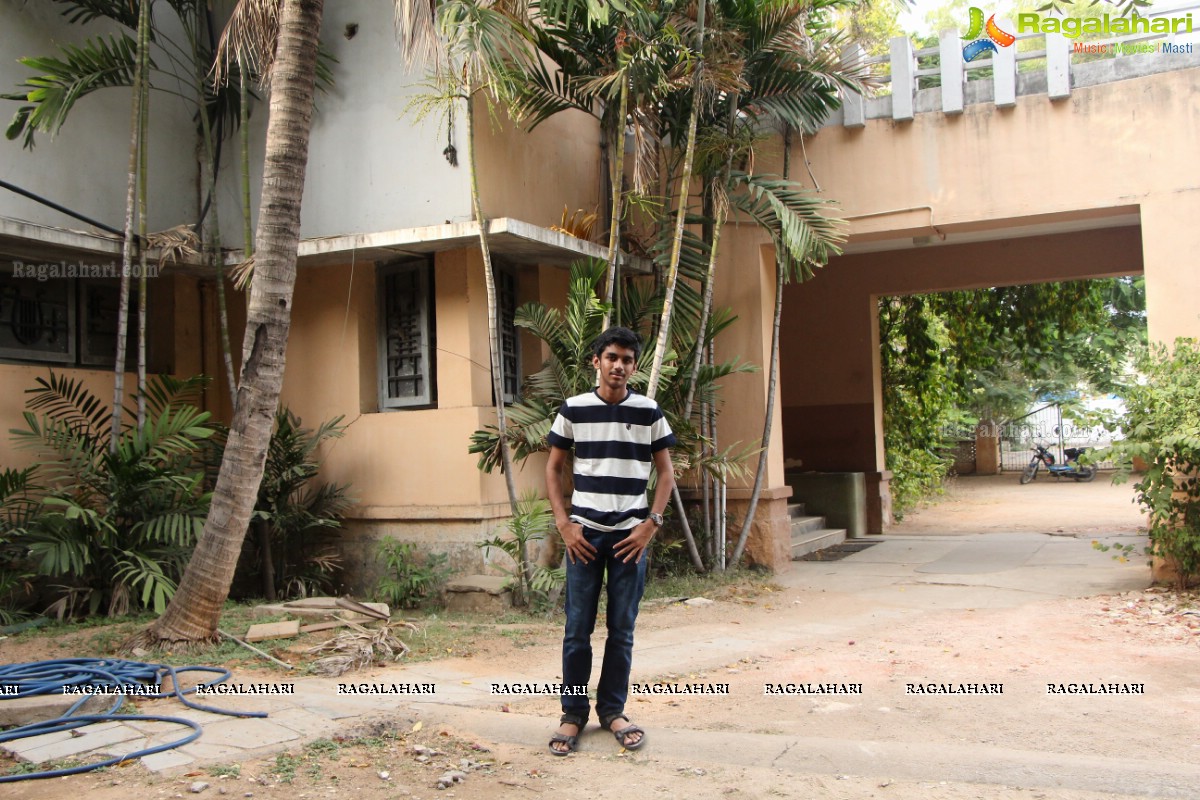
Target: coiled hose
{"type": "Point", "coordinates": [98, 677]}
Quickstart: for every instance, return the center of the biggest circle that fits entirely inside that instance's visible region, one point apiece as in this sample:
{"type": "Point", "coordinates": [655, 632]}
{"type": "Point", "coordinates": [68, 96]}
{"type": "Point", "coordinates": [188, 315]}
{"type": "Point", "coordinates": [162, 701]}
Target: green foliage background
{"type": "Point", "coordinates": [955, 359]}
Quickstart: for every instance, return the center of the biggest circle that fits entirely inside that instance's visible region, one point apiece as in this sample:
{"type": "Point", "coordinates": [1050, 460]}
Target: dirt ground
{"type": "Point", "coordinates": [995, 503]}
{"type": "Point", "coordinates": [885, 743]}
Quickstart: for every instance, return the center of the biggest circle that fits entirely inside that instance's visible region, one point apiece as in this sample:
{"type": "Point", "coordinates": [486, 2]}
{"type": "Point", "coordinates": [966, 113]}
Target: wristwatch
{"type": "Point", "coordinates": [657, 519]}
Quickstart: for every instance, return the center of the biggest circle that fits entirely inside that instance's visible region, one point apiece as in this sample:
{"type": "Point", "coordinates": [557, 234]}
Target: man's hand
{"type": "Point", "coordinates": [632, 546]}
{"type": "Point", "coordinates": [577, 546]}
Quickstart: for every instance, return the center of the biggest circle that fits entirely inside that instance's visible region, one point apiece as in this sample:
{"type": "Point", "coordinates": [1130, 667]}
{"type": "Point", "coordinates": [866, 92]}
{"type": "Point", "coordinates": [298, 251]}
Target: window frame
{"type": "Point", "coordinates": [69, 358]}
{"type": "Point", "coordinates": [504, 270]}
{"type": "Point", "coordinates": [422, 266]}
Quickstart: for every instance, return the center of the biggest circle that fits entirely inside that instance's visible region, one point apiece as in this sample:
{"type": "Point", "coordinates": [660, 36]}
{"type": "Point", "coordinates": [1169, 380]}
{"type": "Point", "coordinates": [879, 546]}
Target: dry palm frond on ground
{"type": "Point", "coordinates": [357, 648]}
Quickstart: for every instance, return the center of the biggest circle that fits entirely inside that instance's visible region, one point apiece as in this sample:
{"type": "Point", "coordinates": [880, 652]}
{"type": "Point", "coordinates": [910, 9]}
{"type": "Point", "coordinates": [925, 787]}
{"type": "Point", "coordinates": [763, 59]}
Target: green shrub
{"type": "Point", "coordinates": [296, 519]}
{"type": "Point", "coordinates": [118, 512]}
{"type": "Point", "coordinates": [410, 580]}
{"type": "Point", "coordinates": [1161, 426]}
{"type": "Point", "coordinates": [533, 584]}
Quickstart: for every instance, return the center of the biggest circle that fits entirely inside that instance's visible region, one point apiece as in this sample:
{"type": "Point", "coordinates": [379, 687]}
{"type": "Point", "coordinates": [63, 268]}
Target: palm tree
{"type": "Point", "coordinates": [123, 60]}
{"type": "Point", "coordinates": [195, 609]}
{"type": "Point", "coordinates": [473, 48]}
{"type": "Point", "coordinates": [799, 95]}
{"type": "Point", "coordinates": [616, 66]}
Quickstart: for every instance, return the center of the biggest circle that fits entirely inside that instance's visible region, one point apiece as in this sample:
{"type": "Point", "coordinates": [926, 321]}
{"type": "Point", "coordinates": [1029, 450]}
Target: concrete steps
{"type": "Point", "coordinates": [809, 533]}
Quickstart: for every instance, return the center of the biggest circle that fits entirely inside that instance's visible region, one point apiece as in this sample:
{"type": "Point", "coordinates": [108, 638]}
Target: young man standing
{"type": "Point", "coordinates": [617, 435]}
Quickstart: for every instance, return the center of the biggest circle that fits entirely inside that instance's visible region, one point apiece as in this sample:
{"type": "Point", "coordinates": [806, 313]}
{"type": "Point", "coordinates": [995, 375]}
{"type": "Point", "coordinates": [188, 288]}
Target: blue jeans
{"type": "Point", "coordinates": [625, 584]}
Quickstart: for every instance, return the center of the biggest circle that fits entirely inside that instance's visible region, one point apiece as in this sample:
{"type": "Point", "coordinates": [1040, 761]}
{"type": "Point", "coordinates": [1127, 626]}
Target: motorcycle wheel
{"type": "Point", "coordinates": [1086, 474]}
{"type": "Point", "coordinates": [1030, 473]}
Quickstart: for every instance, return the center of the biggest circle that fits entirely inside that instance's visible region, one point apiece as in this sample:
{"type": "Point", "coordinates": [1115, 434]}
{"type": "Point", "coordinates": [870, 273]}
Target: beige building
{"type": "Point", "coordinates": [390, 320]}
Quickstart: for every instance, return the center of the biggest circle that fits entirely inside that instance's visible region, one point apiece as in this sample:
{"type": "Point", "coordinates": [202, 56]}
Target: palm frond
{"type": "Point", "coordinates": [85, 11]}
{"type": "Point", "coordinates": [249, 39]}
{"type": "Point", "coordinates": [76, 73]}
{"type": "Point", "coordinates": [68, 401]}
{"type": "Point", "coordinates": [416, 32]}
{"type": "Point", "coordinates": [802, 226]}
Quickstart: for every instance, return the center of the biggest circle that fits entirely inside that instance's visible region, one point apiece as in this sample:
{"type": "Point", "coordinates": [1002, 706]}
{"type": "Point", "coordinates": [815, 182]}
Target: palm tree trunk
{"type": "Point", "coordinates": [244, 138]}
{"type": "Point", "coordinates": [135, 129]}
{"type": "Point", "coordinates": [618, 197]}
{"type": "Point", "coordinates": [195, 610]}
{"type": "Point", "coordinates": [143, 188]}
{"type": "Point", "coordinates": [672, 276]}
{"type": "Point", "coordinates": [772, 381]}
{"type": "Point", "coordinates": [213, 240]}
{"type": "Point", "coordinates": [493, 328]}
{"type": "Point", "coordinates": [721, 206]}
{"type": "Point", "coordinates": [266, 559]}
{"type": "Point", "coordinates": [705, 311]}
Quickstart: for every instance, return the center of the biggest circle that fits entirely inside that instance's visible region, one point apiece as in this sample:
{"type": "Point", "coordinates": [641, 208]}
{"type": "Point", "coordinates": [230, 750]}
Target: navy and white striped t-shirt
{"type": "Point", "coordinates": [614, 448]}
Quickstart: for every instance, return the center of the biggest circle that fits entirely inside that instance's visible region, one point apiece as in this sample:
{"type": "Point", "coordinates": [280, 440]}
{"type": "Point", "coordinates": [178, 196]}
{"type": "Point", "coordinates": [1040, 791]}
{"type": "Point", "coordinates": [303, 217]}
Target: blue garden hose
{"type": "Point", "coordinates": [96, 676]}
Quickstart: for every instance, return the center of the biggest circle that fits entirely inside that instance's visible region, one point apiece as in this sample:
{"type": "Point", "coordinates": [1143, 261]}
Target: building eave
{"type": "Point", "coordinates": [513, 239]}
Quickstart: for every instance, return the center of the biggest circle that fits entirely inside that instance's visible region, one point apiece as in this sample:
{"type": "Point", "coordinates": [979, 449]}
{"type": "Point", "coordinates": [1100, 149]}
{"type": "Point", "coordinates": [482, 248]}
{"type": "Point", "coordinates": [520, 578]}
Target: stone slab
{"type": "Point", "coordinates": [319, 608]}
{"type": "Point", "coordinates": [168, 759]}
{"type": "Point", "coordinates": [87, 741]}
{"type": "Point", "coordinates": [304, 722]}
{"type": "Point", "coordinates": [124, 749]}
{"type": "Point", "coordinates": [248, 734]}
{"type": "Point", "coordinates": [34, 742]}
{"type": "Point", "coordinates": [486, 594]}
{"type": "Point", "coordinates": [18, 711]}
{"type": "Point", "coordinates": [273, 630]}
{"type": "Point", "coordinates": [210, 751]}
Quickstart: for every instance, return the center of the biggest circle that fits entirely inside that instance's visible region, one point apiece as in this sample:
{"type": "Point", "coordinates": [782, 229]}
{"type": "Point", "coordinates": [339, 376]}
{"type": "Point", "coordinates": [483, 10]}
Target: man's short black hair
{"type": "Point", "coordinates": [617, 335]}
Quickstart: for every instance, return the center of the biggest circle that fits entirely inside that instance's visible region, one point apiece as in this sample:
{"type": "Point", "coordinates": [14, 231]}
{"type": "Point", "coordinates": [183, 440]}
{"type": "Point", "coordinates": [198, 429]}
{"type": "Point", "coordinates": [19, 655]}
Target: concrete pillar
{"type": "Point", "coordinates": [904, 77]}
{"type": "Point", "coordinates": [987, 449]}
{"type": "Point", "coordinates": [1169, 237]}
{"type": "Point", "coordinates": [1004, 71]}
{"type": "Point", "coordinates": [745, 282]}
{"type": "Point", "coordinates": [1058, 66]}
{"type": "Point", "coordinates": [954, 77]}
{"type": "Point", "coordinates": [852, 102]}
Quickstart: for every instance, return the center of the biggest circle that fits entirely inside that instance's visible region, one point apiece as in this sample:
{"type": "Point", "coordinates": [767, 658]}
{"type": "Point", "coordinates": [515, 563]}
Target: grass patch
{"type": "Point", "coordinates": [285, 767]}
{"type": "Point", "coordinates": [713, 585]}
{"type": "Point", "coordinates": [29, 768]}
{"type": "Point", "coordinates": [226, 771]}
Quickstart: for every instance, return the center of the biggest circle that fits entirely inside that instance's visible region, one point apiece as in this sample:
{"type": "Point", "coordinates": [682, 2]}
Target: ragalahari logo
{"type": "Point", "coordinates": [984, 38]}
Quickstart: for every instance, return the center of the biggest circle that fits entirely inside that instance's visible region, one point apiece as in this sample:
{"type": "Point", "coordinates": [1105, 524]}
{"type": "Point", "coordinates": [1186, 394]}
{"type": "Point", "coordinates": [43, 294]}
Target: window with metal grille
{"type": "Point", "coordinates": [510, 349]}
{"type": "Point", "coordinates": [66, 320]}
{"type": "Point", "coordinates": [406, 335]}
{"type": "Point", "coordinates": [37, 319]}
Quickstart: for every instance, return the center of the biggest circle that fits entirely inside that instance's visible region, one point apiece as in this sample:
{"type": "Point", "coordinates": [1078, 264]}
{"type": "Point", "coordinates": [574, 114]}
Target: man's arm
{"type": "Point", "coordinates": [634, 545]}
{"type": "Point", "coordinates": [571, 532]}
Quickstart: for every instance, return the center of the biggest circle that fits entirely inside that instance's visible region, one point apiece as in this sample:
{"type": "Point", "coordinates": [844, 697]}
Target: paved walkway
{"type": "Point", "coordinates": [901, 575]}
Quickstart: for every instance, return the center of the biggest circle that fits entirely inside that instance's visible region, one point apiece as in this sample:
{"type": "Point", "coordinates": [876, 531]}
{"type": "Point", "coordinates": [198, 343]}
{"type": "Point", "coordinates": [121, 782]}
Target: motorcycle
{"type": "Point", "coordinates": [1071, 469]}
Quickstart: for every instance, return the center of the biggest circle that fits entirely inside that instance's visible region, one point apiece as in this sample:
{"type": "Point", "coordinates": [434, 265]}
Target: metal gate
{"type": "Point", "coordinates": [1047, 427]}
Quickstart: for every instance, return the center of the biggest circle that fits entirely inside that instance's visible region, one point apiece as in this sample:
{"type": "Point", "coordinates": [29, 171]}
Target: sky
{"type": "Point", "coordinates": [912, 19]}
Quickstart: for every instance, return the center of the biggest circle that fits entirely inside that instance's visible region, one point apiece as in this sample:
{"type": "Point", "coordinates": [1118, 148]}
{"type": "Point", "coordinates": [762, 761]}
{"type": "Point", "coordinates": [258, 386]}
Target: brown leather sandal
{"type": "Point", "coordinates": [622, 735]}
{"type": "Point", "coordinates": [569, 741]}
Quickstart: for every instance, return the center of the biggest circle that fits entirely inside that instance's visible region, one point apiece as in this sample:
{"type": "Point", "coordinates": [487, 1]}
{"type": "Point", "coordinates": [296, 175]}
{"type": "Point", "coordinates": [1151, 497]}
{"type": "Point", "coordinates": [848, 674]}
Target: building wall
{"type": "Point", "coordinates": [172, 338]}
{"type": "Point", "coordinates": [371, 165]}
{"type": "Point", "coordinates": [1108, 160]}
{"type": "Point", "coordinates": [85, 167]}
{"type": "Point", "coordinates": [409, 470]}
{"type": "Point", "coordinates": [534, 175]}
{"type": "Point", "coordinates": [1111, 149]}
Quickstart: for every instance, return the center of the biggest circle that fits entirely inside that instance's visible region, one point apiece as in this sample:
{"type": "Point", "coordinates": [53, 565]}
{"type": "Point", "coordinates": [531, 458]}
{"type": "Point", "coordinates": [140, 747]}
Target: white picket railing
{"type": "Point", "coordinates": [958, 89]}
